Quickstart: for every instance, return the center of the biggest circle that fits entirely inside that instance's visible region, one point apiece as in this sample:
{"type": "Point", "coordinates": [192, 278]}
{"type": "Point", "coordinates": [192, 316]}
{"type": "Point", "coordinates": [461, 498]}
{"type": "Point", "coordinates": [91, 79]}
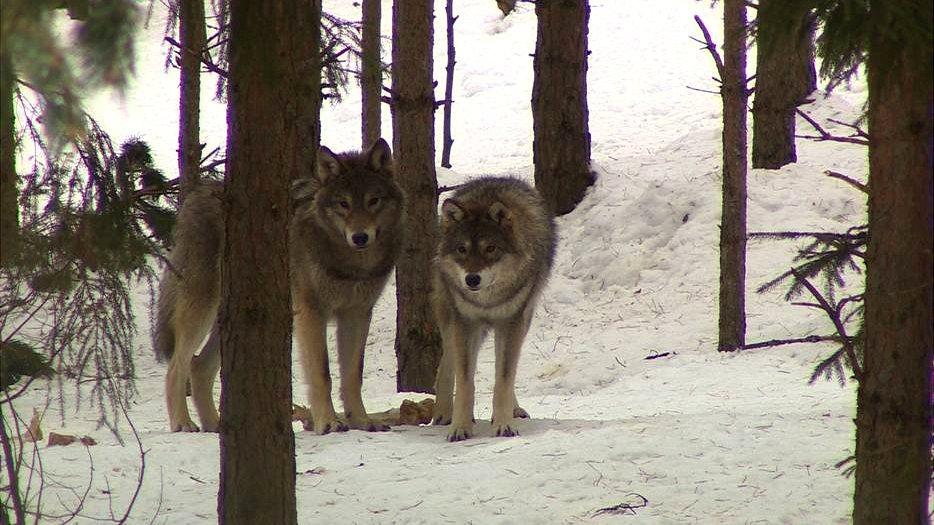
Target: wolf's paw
{"type": "Point", "coordinates": [212, 427]}
{"type": "Point", "coordinates": [460, 433]}
{"type": "Point", "coordinates": [326, 426]}
{"type": "Point", "coordinates": [520, 413]}
{"type": "Point", "coordinates": [369, 425]}
{"type": "Point", "coordinates": [185, 426]}
{"type": "Point", "coordinates": [441, 419]}
{"type": "Point", "coordinates": [505, 430]}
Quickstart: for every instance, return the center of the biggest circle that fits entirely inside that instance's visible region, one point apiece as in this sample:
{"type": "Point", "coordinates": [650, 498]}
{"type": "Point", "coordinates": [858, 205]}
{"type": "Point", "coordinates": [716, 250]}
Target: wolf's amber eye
{"type": "Point", "coordinates": [462, 249]}
{"type": "Point", "coordinates": [373, 202]}
{"type": "Point", "coordinates": [344, 204]}
{"type": "Point", "coordinates": [491, 248]}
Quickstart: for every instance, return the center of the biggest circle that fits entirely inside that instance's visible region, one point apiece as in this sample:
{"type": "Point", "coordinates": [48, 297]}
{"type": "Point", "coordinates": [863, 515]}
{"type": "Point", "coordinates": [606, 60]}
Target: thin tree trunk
{"type": "Point", "coordinates": [192, 41]}
{"type": "Point", "coordinates": [371, 77]}
{"type": "Point", "coordinates": [272, 113]}
{"type": "Point", "coordinates": [785, 76]}
{"type": "Point", "coordinates": [418, 342]}
{"type": "Point", "coordinates": [9, 180]}
{"type": "Point", "coordinates": [893, 415]}
{"type": "Point", "coordinates": [448, 84]}
{"type": "Point", "coordinates": [732, 325]}
{"type": "Point", "coordinates": [561, 146]}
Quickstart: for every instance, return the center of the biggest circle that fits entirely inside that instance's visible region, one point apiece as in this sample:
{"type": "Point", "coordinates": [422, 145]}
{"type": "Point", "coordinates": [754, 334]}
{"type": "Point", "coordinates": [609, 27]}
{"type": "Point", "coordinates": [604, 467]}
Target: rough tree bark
{"type": "Point", "coordinates": [418, 342]}
{"type": "Point", "coordinates": [785, 76]}
{"type": "Point", "coordinates": [448, 141]}
{"type": "Point", "coordinates": [732, 323]}
{"type": "Point", "coordinates": [9, 190]}
{"type": "Point", "coordinates": [893, 416]}
{"type": "Point", "coordinates": [274, 85]}
{"type": "Point", "coordinates": [561, 145]}
{"type": "Point", "coordinates": [192, 41]}
{"type": "Point", "coordinates": [371, 76]}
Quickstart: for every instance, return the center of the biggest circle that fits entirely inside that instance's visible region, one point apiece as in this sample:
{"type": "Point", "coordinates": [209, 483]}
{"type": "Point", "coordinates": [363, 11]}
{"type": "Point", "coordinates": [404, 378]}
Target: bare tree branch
{"type": "Point", "coordinates": [709, 45]}
{"type": "Point", "coordinates": [862, 139]}
{"type": "Point", "coordinates": [851, 181]}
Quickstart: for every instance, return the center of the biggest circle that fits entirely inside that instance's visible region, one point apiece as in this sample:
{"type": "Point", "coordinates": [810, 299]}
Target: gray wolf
{"type": "Point", "coordinates": [344, 238]}
{"type": "Point", "coordinates": [496, 251]}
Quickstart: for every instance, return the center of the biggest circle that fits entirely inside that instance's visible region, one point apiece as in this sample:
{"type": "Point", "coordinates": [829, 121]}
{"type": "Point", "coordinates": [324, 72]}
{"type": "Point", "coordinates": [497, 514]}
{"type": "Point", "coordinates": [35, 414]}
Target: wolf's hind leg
{"type": "Point", "coordinates": [204, 367]}
{"type": "Point", "coordinates": [352, 328]}
{"type": "Point", "coordinates": [312, 343]}
{"type": "Point", "coordinates": [444, 386]}
{"type": "Point", "coordinates": [191, 326]}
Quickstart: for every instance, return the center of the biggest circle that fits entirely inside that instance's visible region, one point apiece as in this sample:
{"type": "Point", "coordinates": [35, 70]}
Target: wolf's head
{"type": "Point", "coordinates": [478, 246]}
{"type": "Point", "coordinates": [355, 198]}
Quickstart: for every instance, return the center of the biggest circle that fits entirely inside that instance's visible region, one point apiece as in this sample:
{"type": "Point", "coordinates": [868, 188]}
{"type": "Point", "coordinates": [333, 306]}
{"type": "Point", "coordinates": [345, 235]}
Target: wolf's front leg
{"type": "Point", "coordinates": [444, 386]}
{"type": "Point", "coordinates": [509, 338]}
{"type": "Point", "coordinates": [310, 333]}
{"type": "Point", "coordinates": [353, 325]}
{"type": "Point", "coordinates": [465, 340]}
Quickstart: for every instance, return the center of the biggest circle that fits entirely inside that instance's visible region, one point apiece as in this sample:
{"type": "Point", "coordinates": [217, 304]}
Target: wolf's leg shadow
{"type": "Point", "coordinates": [204, 368]}
{"type": "Point", "coordinates": [466, 339]}
{"type": "Point", "coordinates": [510, 334]}
{"type": "Point", "coordinates": [310, 333]}
{"type": "Point", "coordinates": [353, 326]}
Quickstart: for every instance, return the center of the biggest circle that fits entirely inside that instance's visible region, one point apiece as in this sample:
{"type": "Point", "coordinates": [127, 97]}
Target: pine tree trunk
{"type": "Point", "coordinates": [448, 141]}
{"type": "Point", "coordinates": [418, 342]}
{"type": "Point", "coordinates": [192, 40]}
{"type": "Point", "coordinates": [9, 180]}
{"type": "Point", "coordinates": [274, 86]}
{"type": "Point", "coordinates": [732, 326]}
{"type": "Point", "coordinates": [893, 417]}
{"type": "Point", "coordinates": [785, 76]}
{"type": "Point", "coordinates": [371, 77]}
{"type": "Point", "coordinates": [561, 146]}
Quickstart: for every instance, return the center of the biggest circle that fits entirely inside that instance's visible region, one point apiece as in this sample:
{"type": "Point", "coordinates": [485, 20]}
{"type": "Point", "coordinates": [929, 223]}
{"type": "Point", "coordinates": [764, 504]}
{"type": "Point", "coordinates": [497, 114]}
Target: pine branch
{"type": "Point", "coordinates": [781, 342]}
{"type": "Point", "coordinates": [834, 315]}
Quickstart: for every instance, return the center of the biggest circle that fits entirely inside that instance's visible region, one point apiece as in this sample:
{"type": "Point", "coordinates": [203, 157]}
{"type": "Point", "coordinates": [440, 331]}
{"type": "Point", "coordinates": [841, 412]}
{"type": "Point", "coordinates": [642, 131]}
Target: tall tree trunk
{"type": "Point", "coordinates": [371, 77]}
{"type": "Point", "coordinates": [561, 146]}
{"type": "Point", "coordinates": [785, 76]}
{"type": "Point", "coordinates": [732, 326]}
{"type": "Point", "coordinates": [274, 86]}
{"type": "Point", "coordinates": [418, 342]}
{"type": "Point", "coordinates": [448, 84]}
{"type": "Point", "coordinates": [192, 41]}
{"type": "Point", "coordinates": [9, 180]}
{"type": "Point", "coordinates": [893, 415]}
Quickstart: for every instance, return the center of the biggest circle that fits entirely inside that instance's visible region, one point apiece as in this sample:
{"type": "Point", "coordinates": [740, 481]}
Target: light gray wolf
{"type": "Point", "coordinates": [344, 238]}
{"type": "Point", "coordinates": [496, 251]}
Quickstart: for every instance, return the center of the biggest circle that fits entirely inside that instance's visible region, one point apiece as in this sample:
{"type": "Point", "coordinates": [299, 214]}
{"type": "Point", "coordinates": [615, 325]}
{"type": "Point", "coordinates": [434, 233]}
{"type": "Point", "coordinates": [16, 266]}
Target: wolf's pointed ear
{"type": "Point", "coordinates": [500, 213]}
{"type": "Point", "coordinates": [379, 158]}
{"type": "Point", "coordinates": [328, 164]}
{"type": "Point", "coordinates": [451, 210]}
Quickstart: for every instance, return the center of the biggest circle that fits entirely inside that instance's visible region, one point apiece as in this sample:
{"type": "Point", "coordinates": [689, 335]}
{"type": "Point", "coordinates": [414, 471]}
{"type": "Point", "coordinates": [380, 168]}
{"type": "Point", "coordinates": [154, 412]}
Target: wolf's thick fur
{"type": "Point", "coordinates": [494, 258]}
{"type": "Point", "coordinates": [344, 239]}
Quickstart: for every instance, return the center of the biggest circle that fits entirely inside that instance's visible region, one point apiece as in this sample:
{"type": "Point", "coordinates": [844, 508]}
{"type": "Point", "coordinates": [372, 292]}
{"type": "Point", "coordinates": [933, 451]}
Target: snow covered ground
{"type": "Point", "coordinates": [703, 437]}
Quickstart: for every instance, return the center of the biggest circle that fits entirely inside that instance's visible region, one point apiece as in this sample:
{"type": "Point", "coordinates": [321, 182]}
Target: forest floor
{"type": "Point", "coordinates": [631, 404]}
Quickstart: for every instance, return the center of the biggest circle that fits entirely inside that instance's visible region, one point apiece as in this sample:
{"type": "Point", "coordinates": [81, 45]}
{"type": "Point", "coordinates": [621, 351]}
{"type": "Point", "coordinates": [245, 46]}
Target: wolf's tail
{"type": "Point", "coordinates": [163, 335]}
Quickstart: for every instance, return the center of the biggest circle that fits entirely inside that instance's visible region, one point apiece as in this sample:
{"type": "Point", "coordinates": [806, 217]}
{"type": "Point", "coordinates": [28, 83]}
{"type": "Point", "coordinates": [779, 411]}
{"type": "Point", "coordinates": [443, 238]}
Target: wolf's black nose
{"type": "Point", "coordinates": [472, 280]}
{"type": "Point", "coordinates": [360, 239]}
